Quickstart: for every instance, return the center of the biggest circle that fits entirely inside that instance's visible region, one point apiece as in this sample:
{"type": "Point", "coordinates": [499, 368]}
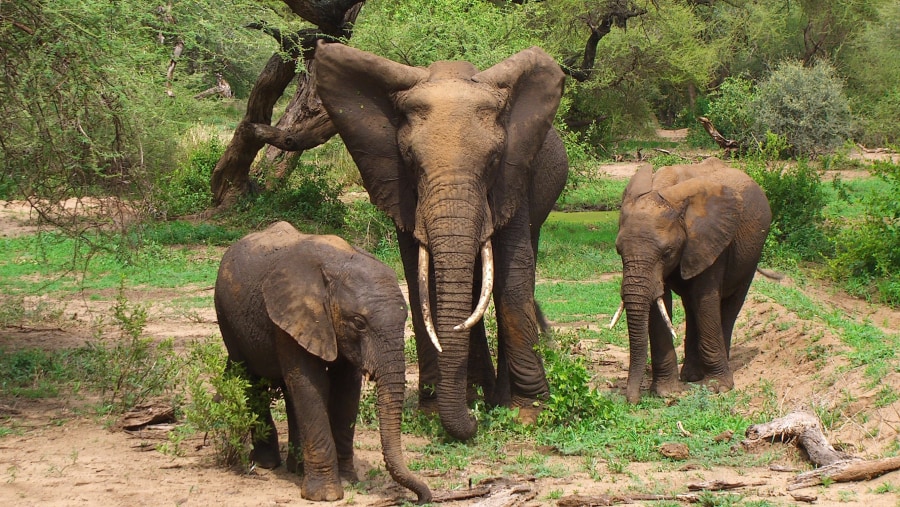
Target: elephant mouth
{"type": "Point", "coordinates": [487, 287]}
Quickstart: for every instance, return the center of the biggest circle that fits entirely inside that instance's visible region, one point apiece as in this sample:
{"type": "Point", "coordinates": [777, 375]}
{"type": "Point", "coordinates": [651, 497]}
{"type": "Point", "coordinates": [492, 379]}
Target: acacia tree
{"type": "Point", "coordinates": [304, 124]}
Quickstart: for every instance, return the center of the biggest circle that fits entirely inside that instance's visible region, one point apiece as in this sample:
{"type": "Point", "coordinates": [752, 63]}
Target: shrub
{"type": "Point", "coordinates": [729, 110]}
{"type": "Point", "coordinates": [807, 105]}
{"type": "Point", "coordinates": [131, 369]}
{"type": "Point", "coordinates": [187, 189]}
{"type": "Point", "coordinates": [797, 200]}
{"type": "Point", "coordinates": [868, 253]}
{"type": "Point", "coordinates": [217, 406]}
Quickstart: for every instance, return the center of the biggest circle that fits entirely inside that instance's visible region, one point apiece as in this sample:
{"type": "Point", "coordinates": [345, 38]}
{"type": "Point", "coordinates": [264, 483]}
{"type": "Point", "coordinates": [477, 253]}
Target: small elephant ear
{"type": "Point", "coordinates": [357, 89]}
{"type": "Point", "coordinates": [639, 184]}
{"type": "Point", "coordinates": [534, 82]}
{"type": "Point", "coordinates": [711, 213]}
{"type": "Point", "coordinates": [296, 302]}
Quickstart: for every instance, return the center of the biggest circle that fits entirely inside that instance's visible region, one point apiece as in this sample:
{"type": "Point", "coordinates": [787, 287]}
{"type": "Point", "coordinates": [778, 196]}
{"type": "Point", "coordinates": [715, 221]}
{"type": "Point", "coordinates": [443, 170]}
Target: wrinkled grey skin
{"type": "Point", "coordinates": [697, 230]}
{"type": "Point", "coordinates": [311, 314]}
{"type": "Point", "coordinates": [458, 157]}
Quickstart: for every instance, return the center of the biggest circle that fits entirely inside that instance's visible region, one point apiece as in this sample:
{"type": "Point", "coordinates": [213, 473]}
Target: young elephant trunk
{"type": "Point", "coordinates": [637, 298]}
{"type": "Point", "coordinates": [390, 386]}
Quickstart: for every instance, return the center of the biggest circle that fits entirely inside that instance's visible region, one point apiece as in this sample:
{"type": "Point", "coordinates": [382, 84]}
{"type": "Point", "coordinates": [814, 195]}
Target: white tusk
{"type": "Point", "coordinates": [487, 286]}
{"type": "Point", "coordinates": [424, 299]}
{"type": "Point", "coordinates": [615, 319]}
{"type": "Point", "coordinates": [665, 315]}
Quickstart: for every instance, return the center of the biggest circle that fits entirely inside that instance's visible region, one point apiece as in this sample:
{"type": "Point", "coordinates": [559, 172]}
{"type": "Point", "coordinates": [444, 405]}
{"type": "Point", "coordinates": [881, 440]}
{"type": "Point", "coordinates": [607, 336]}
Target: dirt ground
{"type": "Point", "coordinates": [60, 456]}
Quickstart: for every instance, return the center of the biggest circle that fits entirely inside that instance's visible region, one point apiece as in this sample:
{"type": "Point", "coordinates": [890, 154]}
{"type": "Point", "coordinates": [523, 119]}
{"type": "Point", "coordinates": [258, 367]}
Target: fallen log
{"type": "Point", "coordinates": [804, 429]}
{"type": "Point", "coordinates": [846, 471]}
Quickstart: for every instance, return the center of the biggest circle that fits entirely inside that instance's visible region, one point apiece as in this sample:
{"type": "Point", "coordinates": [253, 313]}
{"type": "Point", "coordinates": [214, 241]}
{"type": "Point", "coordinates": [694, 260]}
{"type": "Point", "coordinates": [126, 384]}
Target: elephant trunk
{"type": "Point", "coordinates": [390, 386]}
{"type": "Point", "coordinates": [455, 231]}
{"type": "Point", "coordinates": [636, 297]}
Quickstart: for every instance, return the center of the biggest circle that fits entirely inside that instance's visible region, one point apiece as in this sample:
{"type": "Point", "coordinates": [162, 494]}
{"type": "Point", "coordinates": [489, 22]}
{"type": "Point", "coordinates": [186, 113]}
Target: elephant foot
{"type": "Point", "coordinates": [528, 414]}
{"type": "Point", "coordinates": [667, 389]}
{"type": "Point", "coordinates": [691, 372]}
{"type": "Point", "coordinates": [347, 470]}
{"type": "Point", "coordinates": [265, 457]}
{"type": "Point", "coordinates": [320, 489]}
{"type": "Point", "coordinates": [719, 384]}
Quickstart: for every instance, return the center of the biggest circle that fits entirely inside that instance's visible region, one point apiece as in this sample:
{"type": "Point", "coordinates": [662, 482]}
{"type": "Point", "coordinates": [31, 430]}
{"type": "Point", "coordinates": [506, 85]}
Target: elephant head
{"type": "Point", "coordinates": [671, 225]}
{"type": "Point", "coordinates": [446, 152]}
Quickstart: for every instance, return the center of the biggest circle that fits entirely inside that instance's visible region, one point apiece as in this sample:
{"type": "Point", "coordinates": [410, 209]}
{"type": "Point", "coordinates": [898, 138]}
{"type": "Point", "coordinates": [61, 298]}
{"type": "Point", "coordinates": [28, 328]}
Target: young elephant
{"type": "Point", "coordinates": [697, 230]}
{"type": "Point", "coordinates": [311, 314]}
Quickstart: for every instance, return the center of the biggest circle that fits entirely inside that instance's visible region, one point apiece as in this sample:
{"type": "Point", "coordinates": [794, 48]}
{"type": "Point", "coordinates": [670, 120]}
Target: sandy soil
{"type": "Point", "coordinates": [61, 456]}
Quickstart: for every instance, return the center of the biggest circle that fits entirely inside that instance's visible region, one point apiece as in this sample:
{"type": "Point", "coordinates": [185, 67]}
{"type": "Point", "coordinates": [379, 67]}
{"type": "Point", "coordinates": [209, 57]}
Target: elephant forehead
{"type": "Point", "coordinates": [451, 94]}
{"type": "Point", "coordinates": [451, 70]}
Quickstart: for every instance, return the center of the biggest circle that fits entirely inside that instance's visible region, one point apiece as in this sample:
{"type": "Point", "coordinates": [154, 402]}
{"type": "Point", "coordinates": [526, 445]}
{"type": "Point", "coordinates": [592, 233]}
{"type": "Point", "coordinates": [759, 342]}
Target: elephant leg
{"type": "Point", "coordinates": [343, 407]}
{"type": "Point", "coordinates": [663, 359]}
{"type": "Point", "coordinates": [713, 354]}
{"type": "Point", "coordinates": [265, 445]}
{"type": "Point", "coordinates": [692, 369]}
{"type": "Point", "coordinates": [517, 323]}
{"type": "Point", "coordinates": [429, 375]}
{"type": "Point", "coordinates": [731, 307]}
{"type": "Point", "coordinates": [294, 462]}
{"type": "Point", "coordinates": [307, 385]}
{"type": "Point", "coordinates": [480, 368]}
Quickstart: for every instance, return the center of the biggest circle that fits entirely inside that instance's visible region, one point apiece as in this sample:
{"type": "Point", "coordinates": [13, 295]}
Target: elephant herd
{"type": "Point", "coordinates": [467, 165]}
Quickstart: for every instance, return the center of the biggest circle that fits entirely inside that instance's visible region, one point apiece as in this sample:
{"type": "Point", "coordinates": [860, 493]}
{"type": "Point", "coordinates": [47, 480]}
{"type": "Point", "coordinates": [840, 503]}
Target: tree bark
{"type": "Point", "coordinates": [305, 124]}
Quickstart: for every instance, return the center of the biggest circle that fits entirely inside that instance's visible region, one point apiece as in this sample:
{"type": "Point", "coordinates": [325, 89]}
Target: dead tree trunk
{"type": "Point", "coordinates": [307, 125]}
{"type": "Point", "coordinates": [805, 429]}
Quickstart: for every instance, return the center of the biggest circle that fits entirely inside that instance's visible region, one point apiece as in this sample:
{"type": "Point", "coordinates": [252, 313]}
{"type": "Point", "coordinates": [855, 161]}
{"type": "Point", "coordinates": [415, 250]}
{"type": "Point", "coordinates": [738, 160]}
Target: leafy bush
{"type": "Point", "coordinates": [572, 400]}
{"type": "Point", "coordinates": [797, 200]}
{"type": "Point", "coordinates": [729, 110]}
{"type": "Point", "coordinates": [370, 227]}
{"type": "Point", "coordinates": [217, 406]}
{"type": "Point", "coordinates": [868, 253]}
{"type": "Point", "coordinates": [807, 105]}
{"type": "Point", "coordinates": [187, 190]}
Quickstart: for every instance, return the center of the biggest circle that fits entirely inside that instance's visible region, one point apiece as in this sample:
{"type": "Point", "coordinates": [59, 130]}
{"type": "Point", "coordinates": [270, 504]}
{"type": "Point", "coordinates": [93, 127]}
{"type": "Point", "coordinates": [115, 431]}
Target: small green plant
{"type": "Point", "coordinates": [131, 368]}
{"type": "Point", "coordinates": [217, 406]}
{"type": "Point", "coordinates": [572, 401]}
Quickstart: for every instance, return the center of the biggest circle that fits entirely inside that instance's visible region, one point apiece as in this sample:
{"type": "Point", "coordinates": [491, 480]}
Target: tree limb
{"type": "Point", "coordinates": [616, 13]}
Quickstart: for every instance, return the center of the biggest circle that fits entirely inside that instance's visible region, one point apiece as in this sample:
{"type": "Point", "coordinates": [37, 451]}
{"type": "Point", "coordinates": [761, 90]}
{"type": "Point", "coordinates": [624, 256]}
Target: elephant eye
{"type": "Point", "coordinates": [358, 323]}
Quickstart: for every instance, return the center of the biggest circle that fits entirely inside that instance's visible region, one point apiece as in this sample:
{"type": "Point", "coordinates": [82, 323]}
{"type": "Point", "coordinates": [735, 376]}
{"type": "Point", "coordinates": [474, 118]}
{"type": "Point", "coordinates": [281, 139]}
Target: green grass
{"type": "Point", "coordinates": [578, 246]}
{"type": "Point", "coordinates": [51, 262]}
{"type": "Point", "coordinates": [869, 346]}
{"type": "Point", "coordinates": [603, 194]}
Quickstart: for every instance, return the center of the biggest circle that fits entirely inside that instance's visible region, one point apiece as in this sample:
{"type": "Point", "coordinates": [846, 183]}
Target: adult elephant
{"type": "Point", "coordinates": [467, 165]}
{"type": "Point", "coordinates": [310, 314]}
{"type": "Point", "coordinates": [697, 230]}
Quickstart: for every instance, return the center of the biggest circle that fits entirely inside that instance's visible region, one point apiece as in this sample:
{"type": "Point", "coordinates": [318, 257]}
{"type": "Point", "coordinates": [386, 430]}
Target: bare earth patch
{"type": "Point", "coordinates": [61, 456]}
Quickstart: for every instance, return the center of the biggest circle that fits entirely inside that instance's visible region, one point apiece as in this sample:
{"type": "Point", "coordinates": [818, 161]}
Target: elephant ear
{"type": "Point", "coordinates": [357, 89]}
{"type": "Point", "coordinates": [711, 213]}
{"type": "Point", "coordinates": [534, 83]}
{"type": "Point", "coordinates": [639, 184]}
{"type": "Point", "coordinates": [296, 301]}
